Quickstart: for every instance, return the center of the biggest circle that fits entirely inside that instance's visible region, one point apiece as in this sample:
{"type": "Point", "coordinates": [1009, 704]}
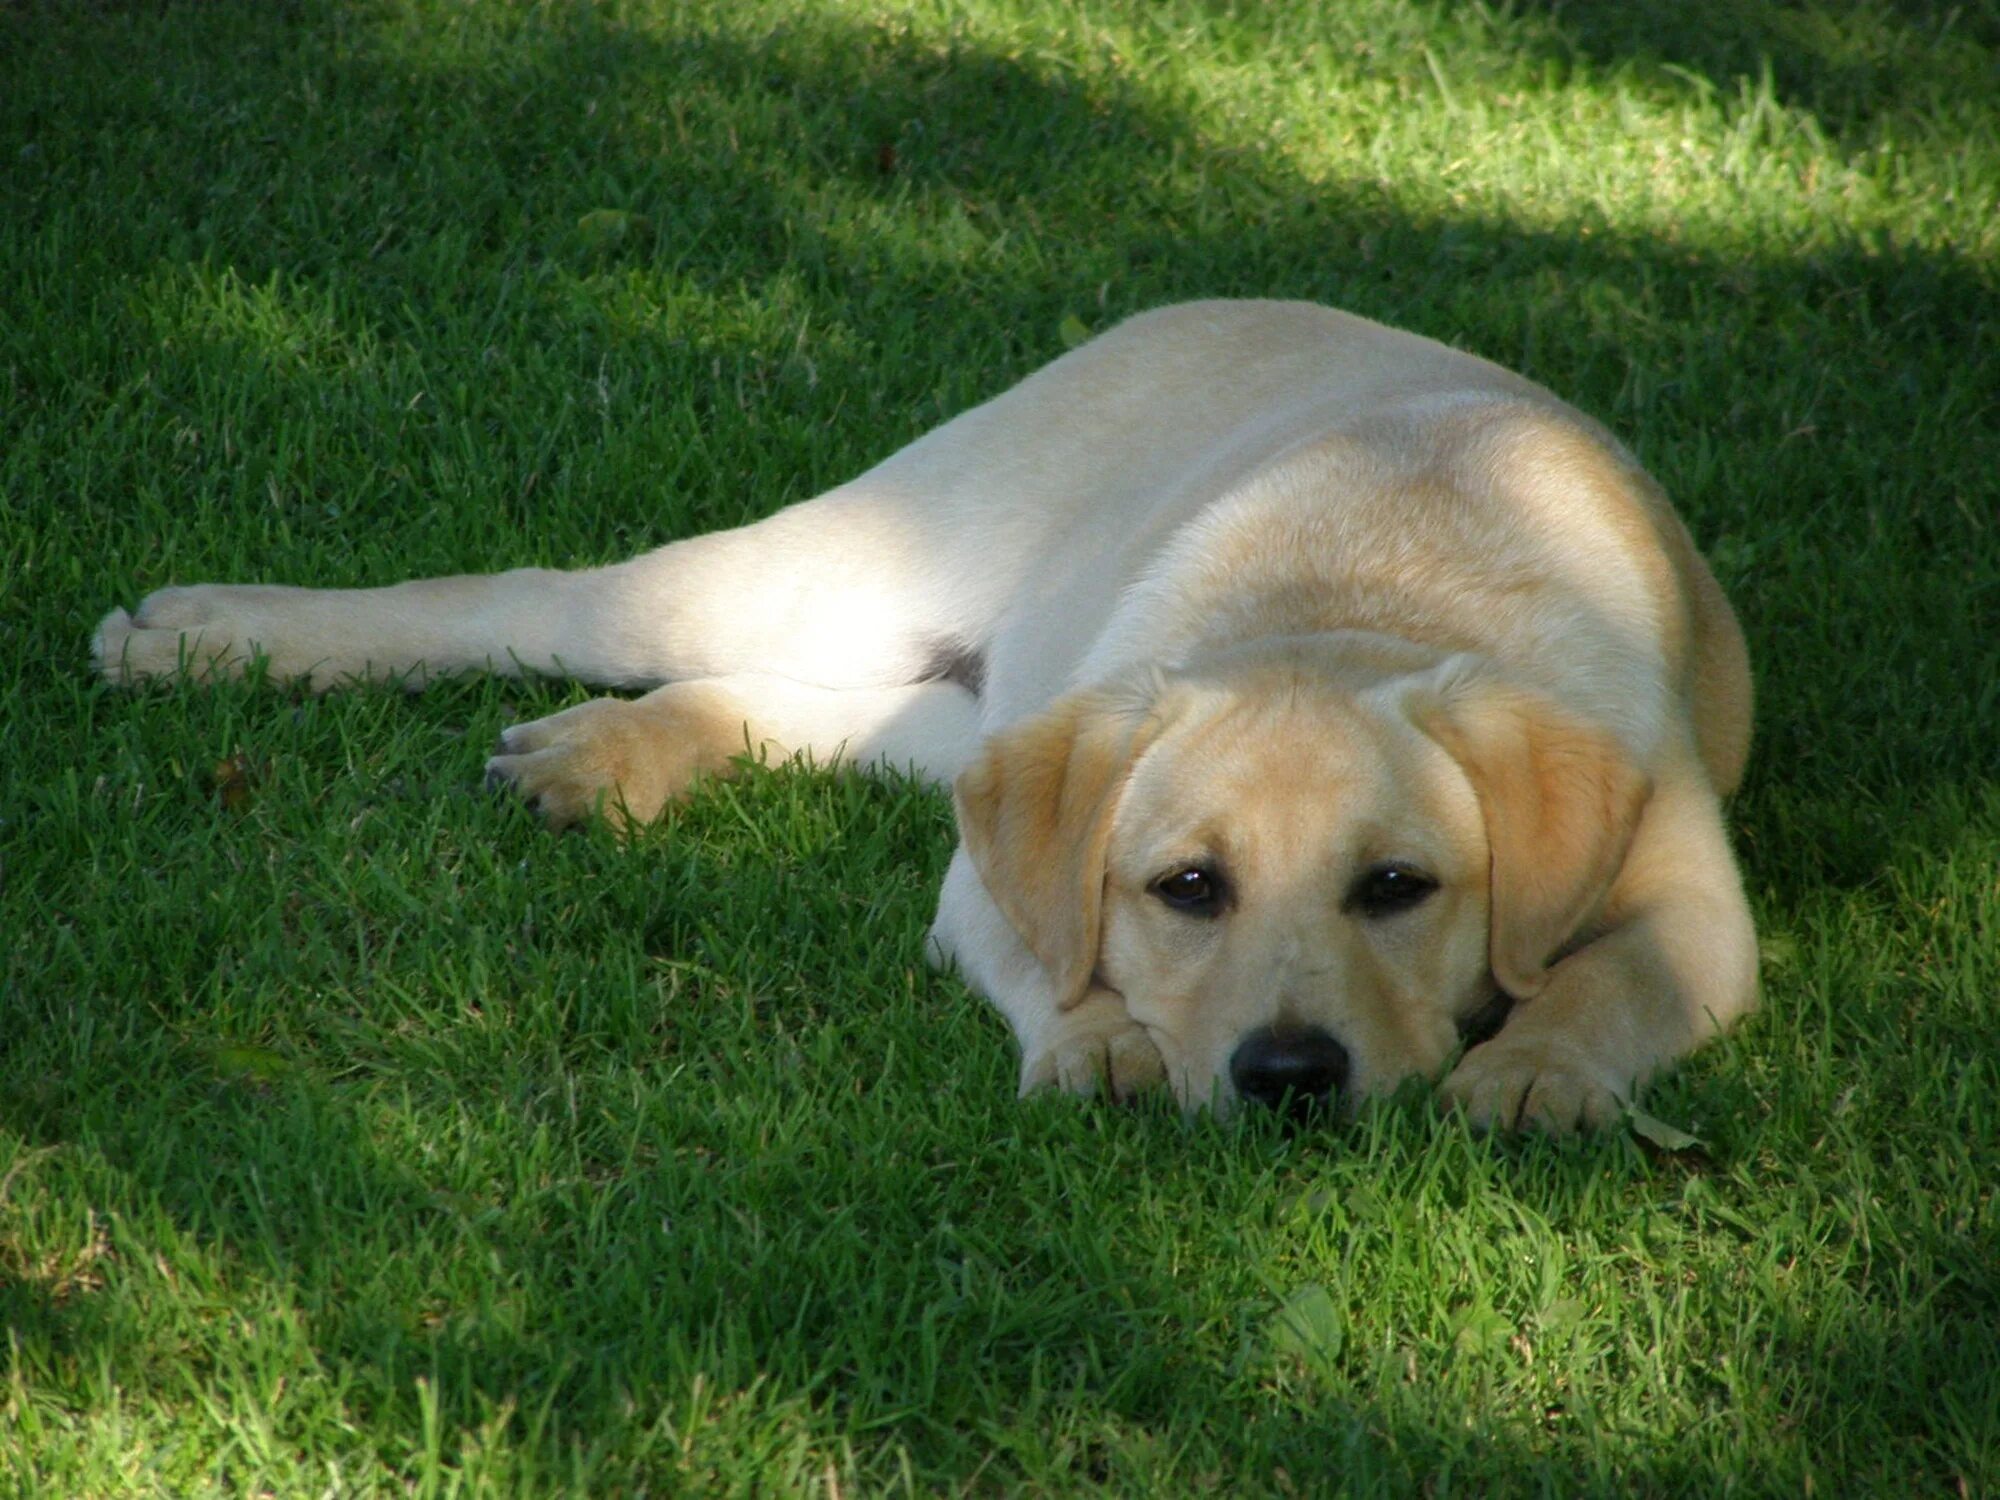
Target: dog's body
{"type": "Point", "coordinates": [1304, 682]}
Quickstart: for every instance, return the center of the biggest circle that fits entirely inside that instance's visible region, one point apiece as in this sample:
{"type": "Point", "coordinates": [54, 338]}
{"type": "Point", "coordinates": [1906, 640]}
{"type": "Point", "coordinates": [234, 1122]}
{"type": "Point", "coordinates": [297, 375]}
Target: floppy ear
{"type": "Point", "coordinates": [1035, 814]}
{"type": "Point", "coordinates": [1561, 800]}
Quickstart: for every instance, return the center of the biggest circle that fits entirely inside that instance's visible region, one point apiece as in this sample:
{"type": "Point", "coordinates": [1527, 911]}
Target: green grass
{"type": "Point", "coordinates": [357, 1137]}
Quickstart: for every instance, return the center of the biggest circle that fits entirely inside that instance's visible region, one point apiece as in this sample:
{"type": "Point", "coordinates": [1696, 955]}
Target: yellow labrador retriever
{"type": "Point", "coordinates": [1306, 686]}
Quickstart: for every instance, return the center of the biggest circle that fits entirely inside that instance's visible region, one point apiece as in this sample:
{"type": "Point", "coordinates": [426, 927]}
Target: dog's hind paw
{"type": "Point", "coordinates": [206, 632]}
{"type": "Point", "coordinates": [622, 759]}
{"type": "Point", "coordinates": [169, 635]}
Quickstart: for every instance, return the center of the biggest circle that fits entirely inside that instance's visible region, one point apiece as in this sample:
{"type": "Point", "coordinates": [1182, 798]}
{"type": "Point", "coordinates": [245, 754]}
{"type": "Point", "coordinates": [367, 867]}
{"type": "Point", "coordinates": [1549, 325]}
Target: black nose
{"type": "Point", "coordinates": [1293, 1066]}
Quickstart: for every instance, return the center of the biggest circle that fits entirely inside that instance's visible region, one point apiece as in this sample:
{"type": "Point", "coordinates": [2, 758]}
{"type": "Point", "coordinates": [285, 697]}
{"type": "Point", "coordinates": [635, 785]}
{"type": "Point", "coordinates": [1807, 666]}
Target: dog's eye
{"type": "Point", "coordinates": [1387, 889]}
{"type": "Point", "coordinates": [1194, 890]}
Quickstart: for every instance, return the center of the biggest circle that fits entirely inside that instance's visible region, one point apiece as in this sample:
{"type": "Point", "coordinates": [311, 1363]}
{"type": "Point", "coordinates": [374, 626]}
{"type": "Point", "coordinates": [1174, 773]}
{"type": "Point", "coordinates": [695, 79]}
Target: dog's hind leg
{"type": "Point", "coordinates": [631, 757]}
{"type": "Point", "coordinates": [854, 589]}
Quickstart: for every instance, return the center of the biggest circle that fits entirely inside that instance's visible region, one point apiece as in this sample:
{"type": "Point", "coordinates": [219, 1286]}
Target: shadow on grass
{"type": "Point", "coordinates": [882, 191]}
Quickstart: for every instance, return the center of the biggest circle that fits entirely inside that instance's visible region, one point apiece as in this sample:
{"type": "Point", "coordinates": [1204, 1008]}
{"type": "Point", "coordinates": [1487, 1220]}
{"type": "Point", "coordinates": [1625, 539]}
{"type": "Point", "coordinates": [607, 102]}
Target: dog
{"type": "Point", "coordinates": [1307, 688]}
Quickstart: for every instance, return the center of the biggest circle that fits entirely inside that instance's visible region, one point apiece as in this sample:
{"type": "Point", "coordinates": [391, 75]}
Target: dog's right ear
{"type": "Point", "coordinates": [1035, 814]}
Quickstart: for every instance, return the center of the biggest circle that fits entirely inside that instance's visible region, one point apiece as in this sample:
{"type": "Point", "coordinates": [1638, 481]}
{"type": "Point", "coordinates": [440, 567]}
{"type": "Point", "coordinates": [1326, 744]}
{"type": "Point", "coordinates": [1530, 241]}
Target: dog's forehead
{"type": "Point", "coordinates": [1278, 729]}
{"type": "Point", "coordinates": [1283, 767]}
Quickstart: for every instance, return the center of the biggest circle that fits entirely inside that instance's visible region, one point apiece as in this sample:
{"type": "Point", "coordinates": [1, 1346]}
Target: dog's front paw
{"type": "Point", "coordinates": [1530, 1083]}
{"type": "Point", "coordinates": [610, 756]}
{"type": "Point", "coordinates": [1096, 1048]}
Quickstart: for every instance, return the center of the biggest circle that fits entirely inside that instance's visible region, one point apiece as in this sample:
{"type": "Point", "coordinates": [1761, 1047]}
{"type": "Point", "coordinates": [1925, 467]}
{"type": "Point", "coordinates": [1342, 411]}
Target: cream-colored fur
{"type": "Point", "coordinates": [1260, 590]}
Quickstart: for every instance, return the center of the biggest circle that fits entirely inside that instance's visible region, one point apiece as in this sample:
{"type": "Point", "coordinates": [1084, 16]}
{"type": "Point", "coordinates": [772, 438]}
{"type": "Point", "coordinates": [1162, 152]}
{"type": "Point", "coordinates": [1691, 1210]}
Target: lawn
{"type": "Point", "coordinates": [357, 1136]}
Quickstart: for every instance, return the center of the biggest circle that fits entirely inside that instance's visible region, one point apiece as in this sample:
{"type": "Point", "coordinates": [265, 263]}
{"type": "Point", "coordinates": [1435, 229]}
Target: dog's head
{"type": "Point", "coordinates": [1303, 878]}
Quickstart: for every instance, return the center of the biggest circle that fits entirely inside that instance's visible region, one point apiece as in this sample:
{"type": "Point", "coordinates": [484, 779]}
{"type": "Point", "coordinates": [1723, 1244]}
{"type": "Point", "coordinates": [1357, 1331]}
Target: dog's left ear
{"type": "Point", "coordinates": [1561, 799]}
{"type": "Point", "coordinates": [1035, 814]}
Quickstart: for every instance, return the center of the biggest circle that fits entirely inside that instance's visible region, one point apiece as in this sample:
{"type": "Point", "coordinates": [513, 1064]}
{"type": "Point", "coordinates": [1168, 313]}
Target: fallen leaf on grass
{"type": "Point", "coordinates": [1479, 1330]}
{"type": "Point", "coordinates": [1659, 1134]}
{"type": "Point", "coordinates": [604, 230]}
{"type": "Point", "coordinates": [242, 1062]}
{"type": "Point", "coordinates": [234, 779]}
{"type": "Point", "coordinates": [1308, 1323]}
